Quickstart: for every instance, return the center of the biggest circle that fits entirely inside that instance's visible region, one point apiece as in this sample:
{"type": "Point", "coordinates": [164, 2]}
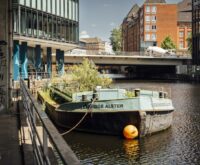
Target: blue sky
{"type": "Point", "coordinates": [99, 17]}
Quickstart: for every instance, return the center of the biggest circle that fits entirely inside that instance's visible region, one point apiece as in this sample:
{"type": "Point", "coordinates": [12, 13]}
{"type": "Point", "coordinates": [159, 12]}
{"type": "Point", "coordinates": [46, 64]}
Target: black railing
{"type": "Point", "coordinates": [49, 140]}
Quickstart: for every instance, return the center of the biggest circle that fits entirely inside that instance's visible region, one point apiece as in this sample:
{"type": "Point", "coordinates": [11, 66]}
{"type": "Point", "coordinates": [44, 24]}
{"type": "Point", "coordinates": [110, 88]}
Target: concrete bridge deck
{"type": "Point", "coordinates": [126, 59]}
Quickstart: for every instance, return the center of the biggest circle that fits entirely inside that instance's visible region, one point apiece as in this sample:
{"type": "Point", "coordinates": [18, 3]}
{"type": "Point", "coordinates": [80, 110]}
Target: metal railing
{"type": "Point", "coordinates": [39, 75]}
{"type": "Point", "coordinates": [177, 54]}
{"type": "Point", "coordinates": [48, 140]}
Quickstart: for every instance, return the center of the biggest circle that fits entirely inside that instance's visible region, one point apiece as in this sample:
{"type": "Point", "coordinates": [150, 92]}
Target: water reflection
{"type": "Point", "coordinates": [131, 148]}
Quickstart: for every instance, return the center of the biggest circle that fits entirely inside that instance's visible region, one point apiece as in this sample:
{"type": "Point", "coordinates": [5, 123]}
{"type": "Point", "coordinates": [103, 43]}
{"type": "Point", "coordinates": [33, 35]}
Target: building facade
{"type": "Point", "coordinates": [196, 32]}
{"type": "Point", "coordinates": [93, 45]}
{"type": "Point", "coordinates": [43, 28]}
{"type": "Point", "coordinates": [156, 20]}
{"type": "Point", "coordinates": [184, 24]}
{"type": "Point", "coordinates": [131, 30]}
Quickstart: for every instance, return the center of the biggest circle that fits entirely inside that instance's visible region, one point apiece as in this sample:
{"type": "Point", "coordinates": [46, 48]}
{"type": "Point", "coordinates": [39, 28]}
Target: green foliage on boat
{"type": "Point", "coordinates": [46, 97]}
{"type": "Point", "coordinates": [79, 78]}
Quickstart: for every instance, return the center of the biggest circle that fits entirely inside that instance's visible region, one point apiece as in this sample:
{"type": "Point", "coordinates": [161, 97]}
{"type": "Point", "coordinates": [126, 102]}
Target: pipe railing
{"type": "Point", "coordinates": [49, 137]}
{"type": "Point", "coordinates": [178, 54]}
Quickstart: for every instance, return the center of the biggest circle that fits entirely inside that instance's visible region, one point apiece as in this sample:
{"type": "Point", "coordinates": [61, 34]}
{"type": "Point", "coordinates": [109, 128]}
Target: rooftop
{"type": "Point", "coordinates": [131, 14]}
{"type": "Point", "coordinates": [183, 7]}
{"type": "Point", "coordinates": [91, 40]}
{"type": "Point", "coordinates": [155, 1]}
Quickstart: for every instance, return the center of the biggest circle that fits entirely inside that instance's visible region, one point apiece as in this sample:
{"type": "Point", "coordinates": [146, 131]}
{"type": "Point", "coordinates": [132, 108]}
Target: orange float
{"type": "Point", "coordinates": [130, 132]}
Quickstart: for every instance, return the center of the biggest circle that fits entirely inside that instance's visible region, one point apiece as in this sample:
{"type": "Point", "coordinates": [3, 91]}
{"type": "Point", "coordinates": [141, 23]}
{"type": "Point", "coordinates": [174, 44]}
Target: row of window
{"type": "Point", "coordinates": [181, 34]}
{"type": "Point", "coordinates": [150, 37]}
{"type": "Point", "coordinates": [63, 8]}
{"type": "Point", "coordinates": [151, 9]}
{"type": "Point", "coordinates": [150, 27]}
{"type": "Point", "coordinates": [149, 18]}
{"type": "Point", "coordinates": [37, 24]}
{"type": "Point", "coordinates": [181, 45]}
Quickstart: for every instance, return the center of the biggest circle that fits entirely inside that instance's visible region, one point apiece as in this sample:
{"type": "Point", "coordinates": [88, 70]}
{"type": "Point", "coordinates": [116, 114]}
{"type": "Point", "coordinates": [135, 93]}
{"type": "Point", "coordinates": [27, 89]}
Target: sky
{"type": "Point", "coordinates": [99, 17]}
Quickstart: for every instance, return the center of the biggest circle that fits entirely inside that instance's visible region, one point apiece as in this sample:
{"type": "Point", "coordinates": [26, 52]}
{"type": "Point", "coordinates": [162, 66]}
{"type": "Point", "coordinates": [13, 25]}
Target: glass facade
{"type": "Point", "coordinates": [196, 32]}
{"type": "Point", "coordinates": [47, 19]}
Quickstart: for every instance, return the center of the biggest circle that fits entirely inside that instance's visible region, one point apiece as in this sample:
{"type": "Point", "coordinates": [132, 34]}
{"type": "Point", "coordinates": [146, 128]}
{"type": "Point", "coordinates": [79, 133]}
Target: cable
{"type": "Point", "coordinates": [74, 127]}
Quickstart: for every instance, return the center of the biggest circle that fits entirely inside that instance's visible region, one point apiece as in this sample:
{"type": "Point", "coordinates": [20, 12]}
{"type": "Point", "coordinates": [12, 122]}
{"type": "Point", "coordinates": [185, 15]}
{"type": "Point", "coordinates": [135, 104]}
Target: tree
{"type": "Point", "coordinates": [168, 43]}
{"type": "Point", "coordinates": [116, 39]}
{"type": "Point", "coordinates": [189, 40]}
{"type": "Point", "coordinates": [88, 77]}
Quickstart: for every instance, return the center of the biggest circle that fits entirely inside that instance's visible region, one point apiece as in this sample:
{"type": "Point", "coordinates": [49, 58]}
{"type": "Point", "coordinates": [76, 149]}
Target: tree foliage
{"type": "Point", "coordinates": [168, 43]}
{"type": "Point", "coordinates": [87, 76]}
{"type": "Point", "coordinates": [189, 40]}
{"type": "Point", "coordinates": [116, 39]}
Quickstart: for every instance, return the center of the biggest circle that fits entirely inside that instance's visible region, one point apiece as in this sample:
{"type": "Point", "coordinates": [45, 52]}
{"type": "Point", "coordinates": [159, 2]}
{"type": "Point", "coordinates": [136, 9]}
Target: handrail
{"type": "Point", "coordinates": [134, 53]}
{"type": "Point", "coordinates": [34, 114]}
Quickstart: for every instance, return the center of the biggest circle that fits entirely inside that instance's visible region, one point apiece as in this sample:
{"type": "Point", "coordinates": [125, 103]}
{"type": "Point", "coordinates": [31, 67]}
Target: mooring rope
{"type": "Point", "coordinates": [80, 121]}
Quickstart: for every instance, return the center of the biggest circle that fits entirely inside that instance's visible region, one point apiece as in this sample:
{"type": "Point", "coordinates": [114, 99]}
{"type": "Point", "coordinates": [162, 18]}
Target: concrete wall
{"type": "Point", "coordinates": [5, 60]}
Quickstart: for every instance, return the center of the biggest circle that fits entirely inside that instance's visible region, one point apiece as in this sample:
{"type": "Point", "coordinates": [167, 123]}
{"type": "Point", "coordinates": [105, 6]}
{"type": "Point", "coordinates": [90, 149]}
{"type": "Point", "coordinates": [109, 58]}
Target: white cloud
{"type": "Point", "coordinates": [84, 34]}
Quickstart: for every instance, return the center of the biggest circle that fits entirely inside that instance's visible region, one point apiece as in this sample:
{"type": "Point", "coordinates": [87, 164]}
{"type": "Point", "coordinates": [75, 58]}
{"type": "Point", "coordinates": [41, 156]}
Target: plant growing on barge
{"type": "Point", "coordinates": [82, 77]}
{"type": "Point", "coordinates": [87, 76]}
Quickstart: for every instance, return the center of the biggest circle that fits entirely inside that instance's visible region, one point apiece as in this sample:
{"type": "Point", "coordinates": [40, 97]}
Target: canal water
{"type": "Point", "coordinates": [178, 145]}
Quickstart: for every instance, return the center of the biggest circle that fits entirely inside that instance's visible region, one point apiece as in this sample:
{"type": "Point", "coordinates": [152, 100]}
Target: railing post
{"type": "Point", "coordinates": [45, 145]}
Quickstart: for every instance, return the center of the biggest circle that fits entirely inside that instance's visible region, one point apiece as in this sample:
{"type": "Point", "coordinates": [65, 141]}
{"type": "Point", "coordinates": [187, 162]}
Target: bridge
{"type": "Point", "coordinates": [135, 59]}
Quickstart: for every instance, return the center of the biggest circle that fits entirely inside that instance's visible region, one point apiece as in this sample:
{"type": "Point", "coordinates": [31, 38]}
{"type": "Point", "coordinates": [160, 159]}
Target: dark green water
{"type": "Point", "coordinates": [178, 145]}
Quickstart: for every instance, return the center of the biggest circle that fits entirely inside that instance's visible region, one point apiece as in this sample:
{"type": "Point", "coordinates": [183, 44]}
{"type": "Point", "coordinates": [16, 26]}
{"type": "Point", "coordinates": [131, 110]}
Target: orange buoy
{"type": "Point", "coordinates": [130, 132]}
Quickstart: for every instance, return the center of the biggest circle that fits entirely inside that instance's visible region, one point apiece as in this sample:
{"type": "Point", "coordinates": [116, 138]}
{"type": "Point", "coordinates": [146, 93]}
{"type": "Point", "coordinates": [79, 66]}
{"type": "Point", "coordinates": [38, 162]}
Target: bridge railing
{"type": "Point", "coordinates": [46, 140]}
{"type": "Point", "coordinates": [177, 54]}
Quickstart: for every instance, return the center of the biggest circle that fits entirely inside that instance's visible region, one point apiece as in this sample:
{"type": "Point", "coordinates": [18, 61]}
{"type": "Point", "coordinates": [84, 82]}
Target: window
{"type": "Point", "coordinates": [23, 23]}
{"type": "Point", "coordinates": [45, 24]}
{"type": "Point", "coordinates": [70, 9]}
{"type": "Point", "coordinates": [34, 4]}
{"type": "Point", "coordinates": [181, 34]}
{"type": "Point", "coordinates": [53, 6]}
{"type": "Point", "coordinates": [154, 27]}
{"type": "Point", "coordinates": [147, 9]}
{"type": "Point", "coordinates": [28, 3]}
{"type": "Point", "coordinates": [147, 28]}
{"type": "Point", "coordinates": [189, 34]}
{"type": "Point", "coordinates": [181, 44]}
{"type": "Point", "coordinates": [49, 30]}
{"type": "Point", "coordinates": [73, 10]}
{"type": "Point", "coordinates": [153, 18]}
{"type": "Point", "coordinates": [58, 7]}
{"type": "Point", "coordinates": [154, 9]}
{"type": "Point", "coordinates": [39, 4]}
{"type": "Point", "coordinates": [147, 37]}
{"type": "Point", "coordinates": [44, 5]}
{"type": "Point", "coordinates": [62, 8]}
{"type": "Point", "coordinates": [153, 37]}
{"type": "Point", "coordinates": [49, 6]}
{"type": "Point", "coordinates": [77, 11]}
{"type": "Point", "coordinates": [21, 2]}
{"type": "Point", "coordinates": [40, 24]}
{"type": "Point", "coordinates": [29, 23]}
{"type": "Point", "coordinates": [147, 18]}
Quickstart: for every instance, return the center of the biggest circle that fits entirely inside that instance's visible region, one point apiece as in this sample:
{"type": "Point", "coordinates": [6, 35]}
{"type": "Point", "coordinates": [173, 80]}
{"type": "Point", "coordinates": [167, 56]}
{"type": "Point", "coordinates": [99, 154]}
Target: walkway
{"type": "Point", "coordinates": [9, 140]}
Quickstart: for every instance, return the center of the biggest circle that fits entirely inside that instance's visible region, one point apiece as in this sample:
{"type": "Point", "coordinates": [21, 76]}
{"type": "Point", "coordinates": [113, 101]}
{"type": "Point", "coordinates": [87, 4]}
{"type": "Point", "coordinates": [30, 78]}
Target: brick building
{"type": "Point", "coordinates": [184, 24]}
{"type": "Point", "coordinates": [93, 45]}
{"type": "Point", "coordinates": [196, 32]}
{"type": "Point", "coordinates": [149, 24]}
{"type": "Point", "coordinates": [131, 30]}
